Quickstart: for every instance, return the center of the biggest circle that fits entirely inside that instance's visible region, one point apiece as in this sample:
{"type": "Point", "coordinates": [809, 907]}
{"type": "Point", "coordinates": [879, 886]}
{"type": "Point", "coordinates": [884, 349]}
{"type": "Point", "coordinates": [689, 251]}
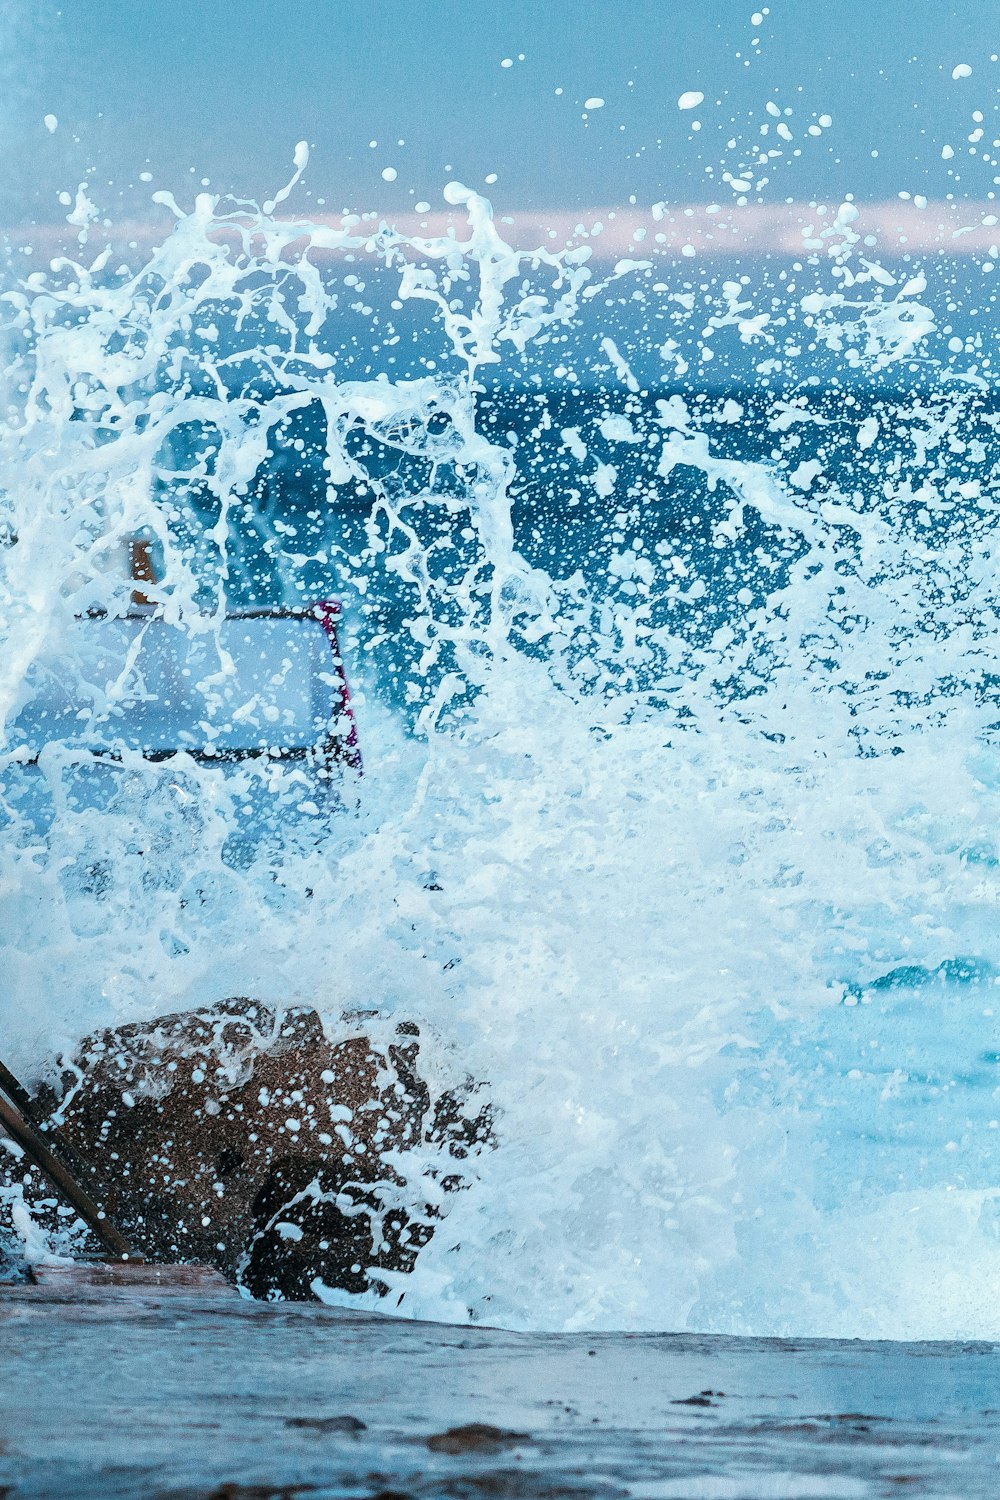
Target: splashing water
{"type": "Point", "coordinates": [679, 714]}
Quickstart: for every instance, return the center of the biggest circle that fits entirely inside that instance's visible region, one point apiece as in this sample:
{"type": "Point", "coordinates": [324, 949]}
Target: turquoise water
{"type": "Point", "coordinates": [677, 700]}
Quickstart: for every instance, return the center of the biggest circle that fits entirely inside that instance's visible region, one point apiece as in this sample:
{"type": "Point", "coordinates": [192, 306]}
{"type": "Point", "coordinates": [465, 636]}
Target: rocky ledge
{"type": "Point", "coordinates": [244, 1138]}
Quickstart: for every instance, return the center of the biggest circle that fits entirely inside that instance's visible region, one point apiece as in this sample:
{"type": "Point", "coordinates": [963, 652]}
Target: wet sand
{"type": "Point", "coordinates": [143, 1393]}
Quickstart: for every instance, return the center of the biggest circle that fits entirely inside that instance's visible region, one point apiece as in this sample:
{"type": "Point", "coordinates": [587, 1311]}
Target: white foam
{"type": "Point", "coordinates": [665, 844]}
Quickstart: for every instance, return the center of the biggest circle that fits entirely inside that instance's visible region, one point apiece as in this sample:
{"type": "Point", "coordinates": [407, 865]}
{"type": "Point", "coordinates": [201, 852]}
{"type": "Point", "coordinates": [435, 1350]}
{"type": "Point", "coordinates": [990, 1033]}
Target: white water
{"type": "Point", "coordinates": [638, 868]}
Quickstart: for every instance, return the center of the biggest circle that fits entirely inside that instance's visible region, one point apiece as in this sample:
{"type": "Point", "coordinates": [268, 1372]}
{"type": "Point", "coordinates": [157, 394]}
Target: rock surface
{"type": "Point", "coordinates": [179, 1398]}
{"type": "Point", "coordinates": [245, 1138]}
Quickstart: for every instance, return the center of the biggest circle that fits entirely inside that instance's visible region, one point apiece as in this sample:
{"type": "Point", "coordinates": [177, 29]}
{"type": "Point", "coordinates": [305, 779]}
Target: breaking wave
{"type": "Point", "coordinates": [678, 709]}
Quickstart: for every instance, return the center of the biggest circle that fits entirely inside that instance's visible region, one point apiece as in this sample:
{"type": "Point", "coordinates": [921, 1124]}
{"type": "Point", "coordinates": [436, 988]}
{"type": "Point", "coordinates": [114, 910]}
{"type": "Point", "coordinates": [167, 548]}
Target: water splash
{"type": "Point", "coordinates": [677, 821]}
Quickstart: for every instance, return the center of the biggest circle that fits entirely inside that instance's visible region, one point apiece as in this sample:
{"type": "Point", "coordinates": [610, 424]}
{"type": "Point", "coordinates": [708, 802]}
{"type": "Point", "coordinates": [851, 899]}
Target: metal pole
{"type": "Point", "coordinates": [15, 1091]}
{"type": "Point", "coordinates": [14, 1124]}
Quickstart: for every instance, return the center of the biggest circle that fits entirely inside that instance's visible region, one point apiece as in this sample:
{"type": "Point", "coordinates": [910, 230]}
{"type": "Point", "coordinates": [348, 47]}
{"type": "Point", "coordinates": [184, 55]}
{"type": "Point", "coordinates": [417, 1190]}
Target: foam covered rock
{"type": "Point", "coordinates": [247, 1139]}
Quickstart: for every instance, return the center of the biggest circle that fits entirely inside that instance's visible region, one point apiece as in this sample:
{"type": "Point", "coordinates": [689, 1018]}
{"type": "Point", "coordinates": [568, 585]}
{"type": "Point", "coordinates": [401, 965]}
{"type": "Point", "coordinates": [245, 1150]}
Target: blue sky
{"type": "Point", "coordinates": [226, 87]}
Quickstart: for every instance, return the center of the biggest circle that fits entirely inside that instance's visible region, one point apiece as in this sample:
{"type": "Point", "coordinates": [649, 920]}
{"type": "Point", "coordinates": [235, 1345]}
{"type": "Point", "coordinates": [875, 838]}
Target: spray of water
{"type": "Point", "coordinates": [685, 843]}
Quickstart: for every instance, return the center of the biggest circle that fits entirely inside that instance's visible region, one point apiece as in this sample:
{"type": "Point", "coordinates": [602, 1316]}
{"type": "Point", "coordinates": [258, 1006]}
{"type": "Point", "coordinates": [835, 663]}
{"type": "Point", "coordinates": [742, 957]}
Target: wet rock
{"type": "Point", "coordinates": [703, 1398]}
{"type": "Point", "coordinates": [245, 1138]}
{"type": "Point", "coordinates": [345, 1423]}
{"type": "Point", "coordinates": [476, 1437]}
{"type": "Point", "coordinates": [260, 1491]}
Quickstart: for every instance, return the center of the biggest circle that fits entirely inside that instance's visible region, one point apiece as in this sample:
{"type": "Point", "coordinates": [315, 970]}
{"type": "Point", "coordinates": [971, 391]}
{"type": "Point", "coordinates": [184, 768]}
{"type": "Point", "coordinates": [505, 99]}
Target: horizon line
{"type": "Point", "coordinates": [677, 231]}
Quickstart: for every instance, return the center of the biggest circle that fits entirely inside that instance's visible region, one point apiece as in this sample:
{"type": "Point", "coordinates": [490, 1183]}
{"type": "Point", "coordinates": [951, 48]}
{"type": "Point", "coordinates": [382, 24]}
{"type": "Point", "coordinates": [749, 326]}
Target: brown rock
{"type": "Point", "coordinates": [246, 1139]}
{"type": "Point", "coordinates": [476, 1437]}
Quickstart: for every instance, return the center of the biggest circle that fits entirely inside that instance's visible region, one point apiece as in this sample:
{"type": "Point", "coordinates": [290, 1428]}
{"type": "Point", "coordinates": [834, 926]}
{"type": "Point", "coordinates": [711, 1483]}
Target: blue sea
{"type": "Point", "coordinates": [670, 619]}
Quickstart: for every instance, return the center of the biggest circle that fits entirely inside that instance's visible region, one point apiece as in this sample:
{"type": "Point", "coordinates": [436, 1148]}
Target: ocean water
{"type": "Point", "coordinates": [670, 610]}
